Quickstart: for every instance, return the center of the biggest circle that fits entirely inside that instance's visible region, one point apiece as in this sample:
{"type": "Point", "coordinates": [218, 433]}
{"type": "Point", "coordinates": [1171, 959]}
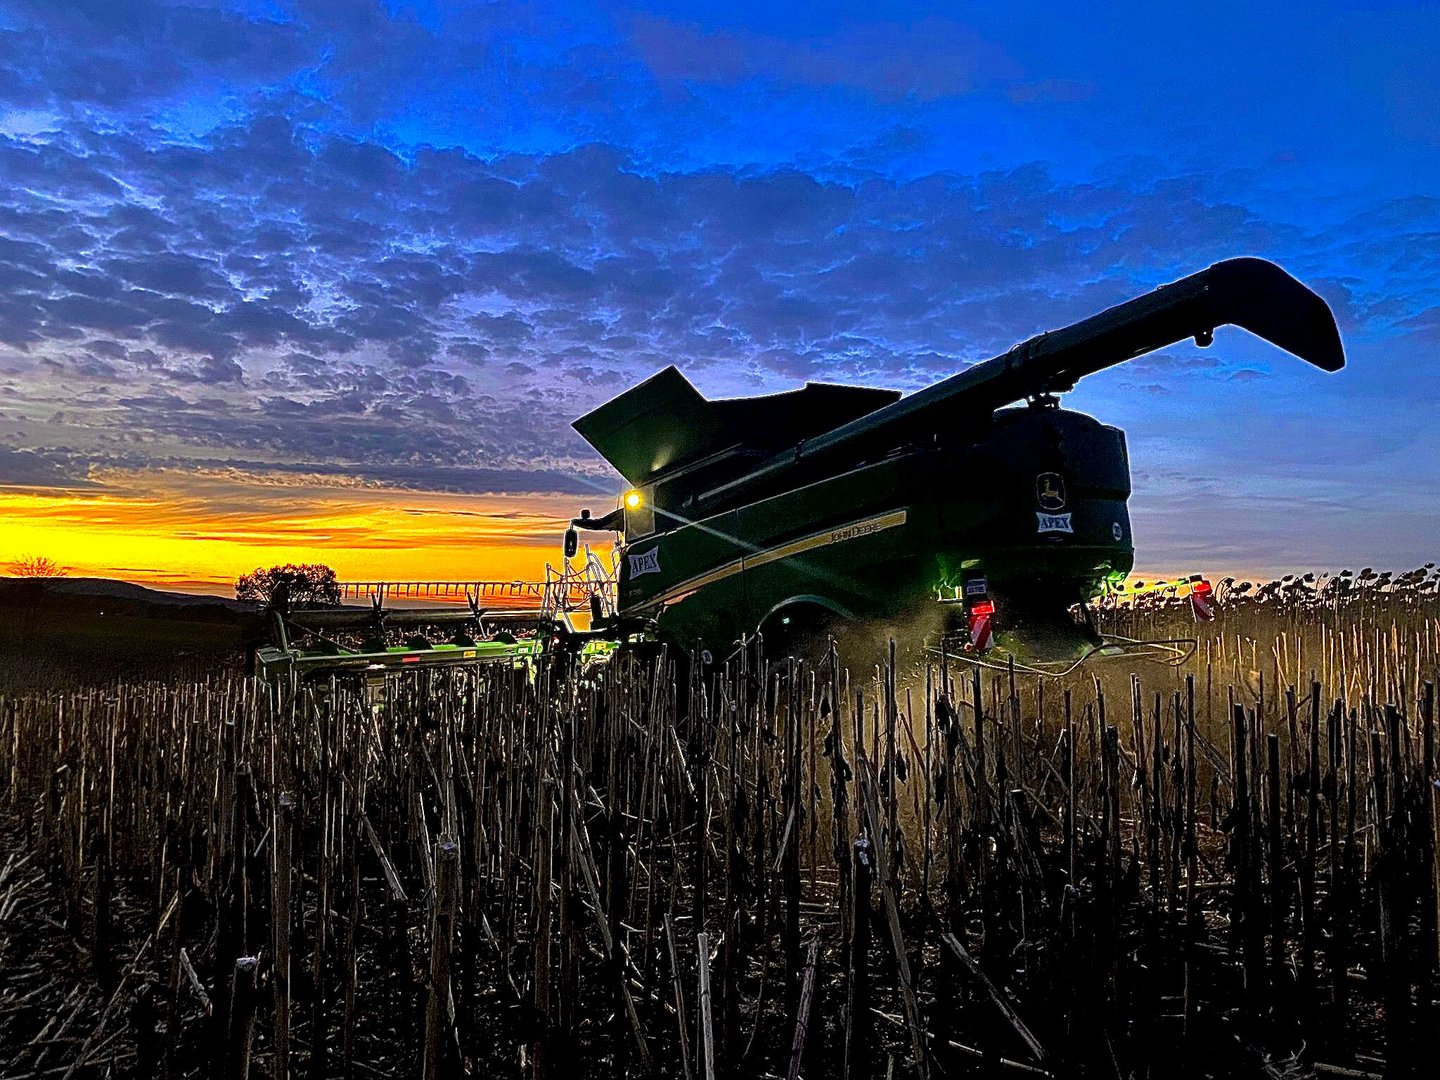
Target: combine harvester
{"type": "Point", "coordinates": [958, 509]}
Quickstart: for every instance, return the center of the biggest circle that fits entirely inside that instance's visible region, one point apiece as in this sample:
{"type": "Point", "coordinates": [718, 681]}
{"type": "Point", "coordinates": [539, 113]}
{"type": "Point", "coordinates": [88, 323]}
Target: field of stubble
{"type": "Point", "coordinates": [1221, 868]}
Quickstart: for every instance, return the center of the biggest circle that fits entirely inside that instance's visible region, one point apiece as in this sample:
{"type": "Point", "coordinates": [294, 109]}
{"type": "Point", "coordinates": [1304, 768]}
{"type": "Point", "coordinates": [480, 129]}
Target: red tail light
{"type": "Point", "coordinates": [1202, 601]}
{"type": "Point", "coordinates": [978, 621]}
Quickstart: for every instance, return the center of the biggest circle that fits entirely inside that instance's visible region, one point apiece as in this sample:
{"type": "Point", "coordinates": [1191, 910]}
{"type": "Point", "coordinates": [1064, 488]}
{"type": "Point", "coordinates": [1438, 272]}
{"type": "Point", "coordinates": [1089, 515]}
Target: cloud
{"type": "Point", "coordinates": [447, 311]}
{"type": "Point", "coordinates": [925, 60]}
{"type": "Point", "coordinates": [26, 468]}
{"type": "Point", "coordinates": [137, 50]}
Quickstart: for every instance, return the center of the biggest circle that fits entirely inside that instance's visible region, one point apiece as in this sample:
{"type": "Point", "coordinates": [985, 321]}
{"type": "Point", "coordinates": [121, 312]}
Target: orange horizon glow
{"type": "Point", "coordinates": [198, 531]}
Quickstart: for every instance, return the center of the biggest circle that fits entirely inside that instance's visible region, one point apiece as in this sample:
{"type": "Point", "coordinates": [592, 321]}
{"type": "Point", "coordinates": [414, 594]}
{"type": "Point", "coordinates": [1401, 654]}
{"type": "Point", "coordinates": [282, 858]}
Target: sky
{"type": "Point", "coordinates": [327, 280]}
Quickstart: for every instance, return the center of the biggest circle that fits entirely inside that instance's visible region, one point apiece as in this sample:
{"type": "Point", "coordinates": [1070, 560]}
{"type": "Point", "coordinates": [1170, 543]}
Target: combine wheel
{"type": "Point", "coordinates": [801, 632]}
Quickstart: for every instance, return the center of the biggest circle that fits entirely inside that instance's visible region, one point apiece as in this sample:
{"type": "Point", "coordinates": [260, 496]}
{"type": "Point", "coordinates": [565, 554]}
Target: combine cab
{"type": "Point", "coordinates": [978, 504]}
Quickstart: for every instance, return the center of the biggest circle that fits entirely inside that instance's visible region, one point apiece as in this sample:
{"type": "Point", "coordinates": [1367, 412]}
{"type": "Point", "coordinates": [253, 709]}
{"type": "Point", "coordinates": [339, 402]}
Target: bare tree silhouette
{"type": "Point", "coordinates": [37, 566]}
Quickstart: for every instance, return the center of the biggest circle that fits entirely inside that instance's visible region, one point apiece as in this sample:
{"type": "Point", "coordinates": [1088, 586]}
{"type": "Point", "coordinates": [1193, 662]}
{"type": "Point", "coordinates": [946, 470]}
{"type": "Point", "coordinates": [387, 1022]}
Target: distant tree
{"type": "Point", "coordinates": [37, 566]}
{"type": "Point", "coordinates": [293, 585]}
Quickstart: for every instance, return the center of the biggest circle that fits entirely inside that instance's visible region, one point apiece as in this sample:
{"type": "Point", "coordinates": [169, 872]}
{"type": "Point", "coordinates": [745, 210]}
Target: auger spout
{"type": "Point", "coordinates": [1253, 294]}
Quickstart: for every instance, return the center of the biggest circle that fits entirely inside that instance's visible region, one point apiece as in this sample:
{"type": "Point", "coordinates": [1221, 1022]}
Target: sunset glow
{"type": "Point", "coordinates": [199, 532]}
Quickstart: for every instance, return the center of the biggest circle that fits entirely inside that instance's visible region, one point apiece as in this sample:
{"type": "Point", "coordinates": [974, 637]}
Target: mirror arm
{"type": "Point", "coordinates": [611, 522]}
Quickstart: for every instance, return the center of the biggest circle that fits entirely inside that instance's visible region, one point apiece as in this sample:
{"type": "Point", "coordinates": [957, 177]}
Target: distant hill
{"type": "Point", "coordinates": [86, 592]}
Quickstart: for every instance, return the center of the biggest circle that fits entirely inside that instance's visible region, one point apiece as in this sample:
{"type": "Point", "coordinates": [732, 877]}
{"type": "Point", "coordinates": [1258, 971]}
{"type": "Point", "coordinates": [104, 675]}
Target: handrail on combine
{"type": "Point", "coordinates": [589, 584]}
{"type": "Point", "coordinates": [568, 588]}
{"type": "Point", "coordinates": [444, 590]}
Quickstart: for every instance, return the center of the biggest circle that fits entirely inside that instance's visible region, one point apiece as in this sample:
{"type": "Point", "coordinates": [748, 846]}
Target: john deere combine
{"type": "Point", "coordinates": [978, 501]}
{"type": "Point", "coordinates": [828, 504]}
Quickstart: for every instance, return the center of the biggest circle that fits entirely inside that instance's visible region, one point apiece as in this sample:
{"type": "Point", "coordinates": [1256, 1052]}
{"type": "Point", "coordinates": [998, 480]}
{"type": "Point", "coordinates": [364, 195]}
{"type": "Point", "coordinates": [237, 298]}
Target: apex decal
{"type": "Point", "coordinates": [645, 562]}
{"type": "Point", "coordinates": [1050, 523]}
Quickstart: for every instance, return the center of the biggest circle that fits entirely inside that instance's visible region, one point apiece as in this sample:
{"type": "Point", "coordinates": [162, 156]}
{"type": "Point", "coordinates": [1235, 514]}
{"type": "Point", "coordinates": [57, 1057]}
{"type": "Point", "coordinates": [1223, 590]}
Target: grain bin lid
{"type": "Point", "coordinates": [656, 425]}
{"type": "Point", "coordinates": [664, 422]}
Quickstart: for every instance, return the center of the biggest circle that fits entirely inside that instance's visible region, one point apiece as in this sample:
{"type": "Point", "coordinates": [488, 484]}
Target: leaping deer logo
{"type": "Point", "coordinates": [1050, 491]}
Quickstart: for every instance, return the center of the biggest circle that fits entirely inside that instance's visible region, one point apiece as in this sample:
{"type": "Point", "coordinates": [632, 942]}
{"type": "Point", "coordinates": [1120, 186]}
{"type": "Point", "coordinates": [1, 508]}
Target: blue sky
{"type": "Point", "coordinates": [404, 244]}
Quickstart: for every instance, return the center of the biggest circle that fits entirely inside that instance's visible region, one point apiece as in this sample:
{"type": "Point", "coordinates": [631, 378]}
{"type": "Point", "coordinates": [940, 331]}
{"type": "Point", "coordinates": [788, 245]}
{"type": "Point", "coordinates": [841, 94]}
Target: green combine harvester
{"type": "Point", "coordinates": [977, 508]}
{"type": "Point", "coordinates": [797, 513]}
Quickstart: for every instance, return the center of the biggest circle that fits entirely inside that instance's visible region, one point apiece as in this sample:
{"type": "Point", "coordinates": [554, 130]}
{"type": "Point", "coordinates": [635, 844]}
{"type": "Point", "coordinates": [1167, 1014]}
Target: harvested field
{"type": "Point", "coordinates": [1222, 868]}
